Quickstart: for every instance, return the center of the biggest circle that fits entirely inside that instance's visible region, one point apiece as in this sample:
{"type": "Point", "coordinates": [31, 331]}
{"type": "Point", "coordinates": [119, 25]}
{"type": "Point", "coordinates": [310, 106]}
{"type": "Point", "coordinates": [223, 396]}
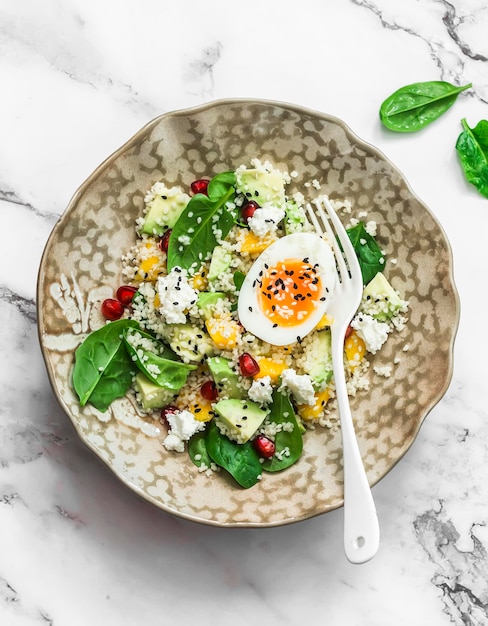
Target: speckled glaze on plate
{"type": "Point", "coordinates": [81, 266]}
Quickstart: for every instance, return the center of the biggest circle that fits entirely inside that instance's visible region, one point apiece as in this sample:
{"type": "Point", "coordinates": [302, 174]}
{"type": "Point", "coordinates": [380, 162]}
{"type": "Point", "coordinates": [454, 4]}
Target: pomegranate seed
{"type": "Point", "coordinates": [248, 365]}
{"type": "Point", "coordinates": [166, 411]}
{"type": "Point", "coordinates": [112, 309]}
{"type": "Point", "coordinates": [200, 186]}
{"type": "Point", "coordinates": [209, 390]}
{"type": "Point", "coordinates": [164, 241]}
{"type": "Point", "coordinates": [264, 446]}
{"type": "Point", "coordinates": [125, 294]}
{"type": "Point", "coordinates": [248, 210]}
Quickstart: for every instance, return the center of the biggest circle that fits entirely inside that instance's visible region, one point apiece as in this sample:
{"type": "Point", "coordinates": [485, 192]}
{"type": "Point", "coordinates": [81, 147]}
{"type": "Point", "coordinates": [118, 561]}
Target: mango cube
{"type": "Point", "coordinates": [202, 410]}
{"type": "Point", "coordinates": [355, 350]}
{"type": "Point", "coordinates": [223, 331]}
{"type": "Point", "coordinates": [311, 412]}
{"type": "Point", "coordinates": [268, 367]}
{"type": "Point", "coordinates": [252, 244]}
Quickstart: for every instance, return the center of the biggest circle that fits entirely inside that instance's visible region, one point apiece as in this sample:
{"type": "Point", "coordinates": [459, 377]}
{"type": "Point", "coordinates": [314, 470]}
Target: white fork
{"type": "Point", "coordinates": [361, 528]}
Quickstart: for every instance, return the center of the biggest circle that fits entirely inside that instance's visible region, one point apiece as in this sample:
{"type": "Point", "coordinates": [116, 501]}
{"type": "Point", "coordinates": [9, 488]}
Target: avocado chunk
{"type": "Point", "coordinates": [261, 186]}
{"type": "Point", "coordinates": [152, 396]}
{"type": "Point", "coordinates": [189, 342]}
{"type": "Point", "coordinates": [320, 359]}
{"type": "Point", "coordinates": [164, 208]}
{"type": "Point", "coordinates": [206, 301]}
{"type": "Point", "coordinates": [380, 300]}
{"type": "Point", "coordinates": [226, 379]}
{"type": "Point", "coordinates": [241, 418]}
{"type": "Point", "coordinates": [219, 263]}
{"type": "Point", "coordinates": [295, 218]}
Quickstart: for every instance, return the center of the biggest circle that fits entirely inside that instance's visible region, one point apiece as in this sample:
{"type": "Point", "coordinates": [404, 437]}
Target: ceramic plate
{"type": "Point", "coordinates": [81, 266]}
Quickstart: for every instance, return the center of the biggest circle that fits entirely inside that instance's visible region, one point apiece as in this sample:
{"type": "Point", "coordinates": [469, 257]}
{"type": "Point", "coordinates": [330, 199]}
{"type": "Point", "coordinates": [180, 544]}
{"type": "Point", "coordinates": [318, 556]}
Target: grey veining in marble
{"type": "Point", "coordinates": [76, 548]}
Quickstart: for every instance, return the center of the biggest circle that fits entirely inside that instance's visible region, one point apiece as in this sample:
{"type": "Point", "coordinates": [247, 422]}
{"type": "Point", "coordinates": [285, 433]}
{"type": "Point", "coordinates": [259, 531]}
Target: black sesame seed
{"type": "Point", "coordinates": [250, 308]}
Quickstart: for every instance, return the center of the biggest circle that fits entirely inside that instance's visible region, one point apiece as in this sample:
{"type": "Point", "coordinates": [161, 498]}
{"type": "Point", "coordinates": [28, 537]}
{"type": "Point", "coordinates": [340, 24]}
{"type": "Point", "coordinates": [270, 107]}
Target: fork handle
{"type": "Point", "coordinates": [361, 527]}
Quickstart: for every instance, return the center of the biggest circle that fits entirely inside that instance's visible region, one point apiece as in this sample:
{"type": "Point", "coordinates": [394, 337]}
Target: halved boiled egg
{"type": "Point", "coordinates": [286, 292]}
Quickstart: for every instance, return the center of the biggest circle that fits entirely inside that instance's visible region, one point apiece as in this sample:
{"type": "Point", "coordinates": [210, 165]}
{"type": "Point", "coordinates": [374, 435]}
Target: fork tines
{"type": "Point", "coordinates": [325, 221]}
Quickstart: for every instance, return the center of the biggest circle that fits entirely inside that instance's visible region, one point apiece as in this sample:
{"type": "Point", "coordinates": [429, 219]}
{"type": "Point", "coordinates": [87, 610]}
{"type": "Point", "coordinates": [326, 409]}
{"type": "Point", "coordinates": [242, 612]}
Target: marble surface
{"type": "Point", "coordinates": [76, 547]}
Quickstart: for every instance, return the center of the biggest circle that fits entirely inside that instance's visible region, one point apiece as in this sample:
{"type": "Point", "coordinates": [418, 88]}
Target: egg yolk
{"type": "Point", "coordinates": [290, 291]}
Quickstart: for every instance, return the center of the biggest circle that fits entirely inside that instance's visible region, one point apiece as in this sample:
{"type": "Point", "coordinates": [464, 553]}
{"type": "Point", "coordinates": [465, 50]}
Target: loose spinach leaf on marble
{"type": "Point", "coordinates": [414, 106]}
{"type": "Point", "coordinates": [371, 258]}
{"type": "Point", "coordinates": [202, 223]}
{"type": "Point", "coordinates": [472, 148]}
{"type": "Point", "coordinates": [288, 441]}
{"type": "Point", "coordinates": [103, 369]}
{"type": "Point", "coordinates": [158, 362]}
{"type": "Point", "coordinates": [240, 460]}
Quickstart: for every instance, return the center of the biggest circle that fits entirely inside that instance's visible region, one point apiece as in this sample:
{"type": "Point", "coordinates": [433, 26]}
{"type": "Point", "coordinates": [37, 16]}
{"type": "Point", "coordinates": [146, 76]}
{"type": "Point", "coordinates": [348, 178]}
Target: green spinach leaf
{"type": "Point", "coordinates": [220, 185]}
{"type": "Point", "coordinates": [197, 449]}
{"type": "Point", "coordinates": [472, 148]}
{"type": "Point", "coordinates": [156, 360]}
{"type": "Point", "coordinates": [240, 460]}
{"type": "Point", "coordinates": [289, 443]}
{"type": "Point", "coordinates": [103, 368]}
{"type": "Point", "coordinates": [238, 278]}
{"type": "Point", "coordinates": [204, 221]}
{"type": "Point", "coordinates": [414, 106]}
{"type": "Point", "coordinates": [370, 257]}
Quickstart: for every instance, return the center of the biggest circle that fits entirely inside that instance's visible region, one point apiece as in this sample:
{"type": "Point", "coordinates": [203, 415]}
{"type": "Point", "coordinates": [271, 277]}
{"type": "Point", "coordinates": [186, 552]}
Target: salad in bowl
{"type": "Point", "coordinates": [219, 333]}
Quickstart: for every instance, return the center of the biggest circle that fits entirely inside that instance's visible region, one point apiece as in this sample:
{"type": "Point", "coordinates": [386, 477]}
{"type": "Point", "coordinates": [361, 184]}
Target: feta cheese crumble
{"type": "Point", "coordinates": [182, 426]}
{"type": "Point", "coordinates": [300, 386]}
{"type": "Point", "coordinates": [265, 220]}
{"type": "Point", "coordinates": [176, 295]}
{"type": "Point", "coordinates": [261, 390]}
{"type": "Point", "coordinates": [373, 333]}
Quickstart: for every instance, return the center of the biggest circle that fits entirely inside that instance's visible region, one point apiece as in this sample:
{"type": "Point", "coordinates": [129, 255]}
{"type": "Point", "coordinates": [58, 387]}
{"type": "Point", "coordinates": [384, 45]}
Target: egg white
{"type": "Point", "coordinates": [300, 246]}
